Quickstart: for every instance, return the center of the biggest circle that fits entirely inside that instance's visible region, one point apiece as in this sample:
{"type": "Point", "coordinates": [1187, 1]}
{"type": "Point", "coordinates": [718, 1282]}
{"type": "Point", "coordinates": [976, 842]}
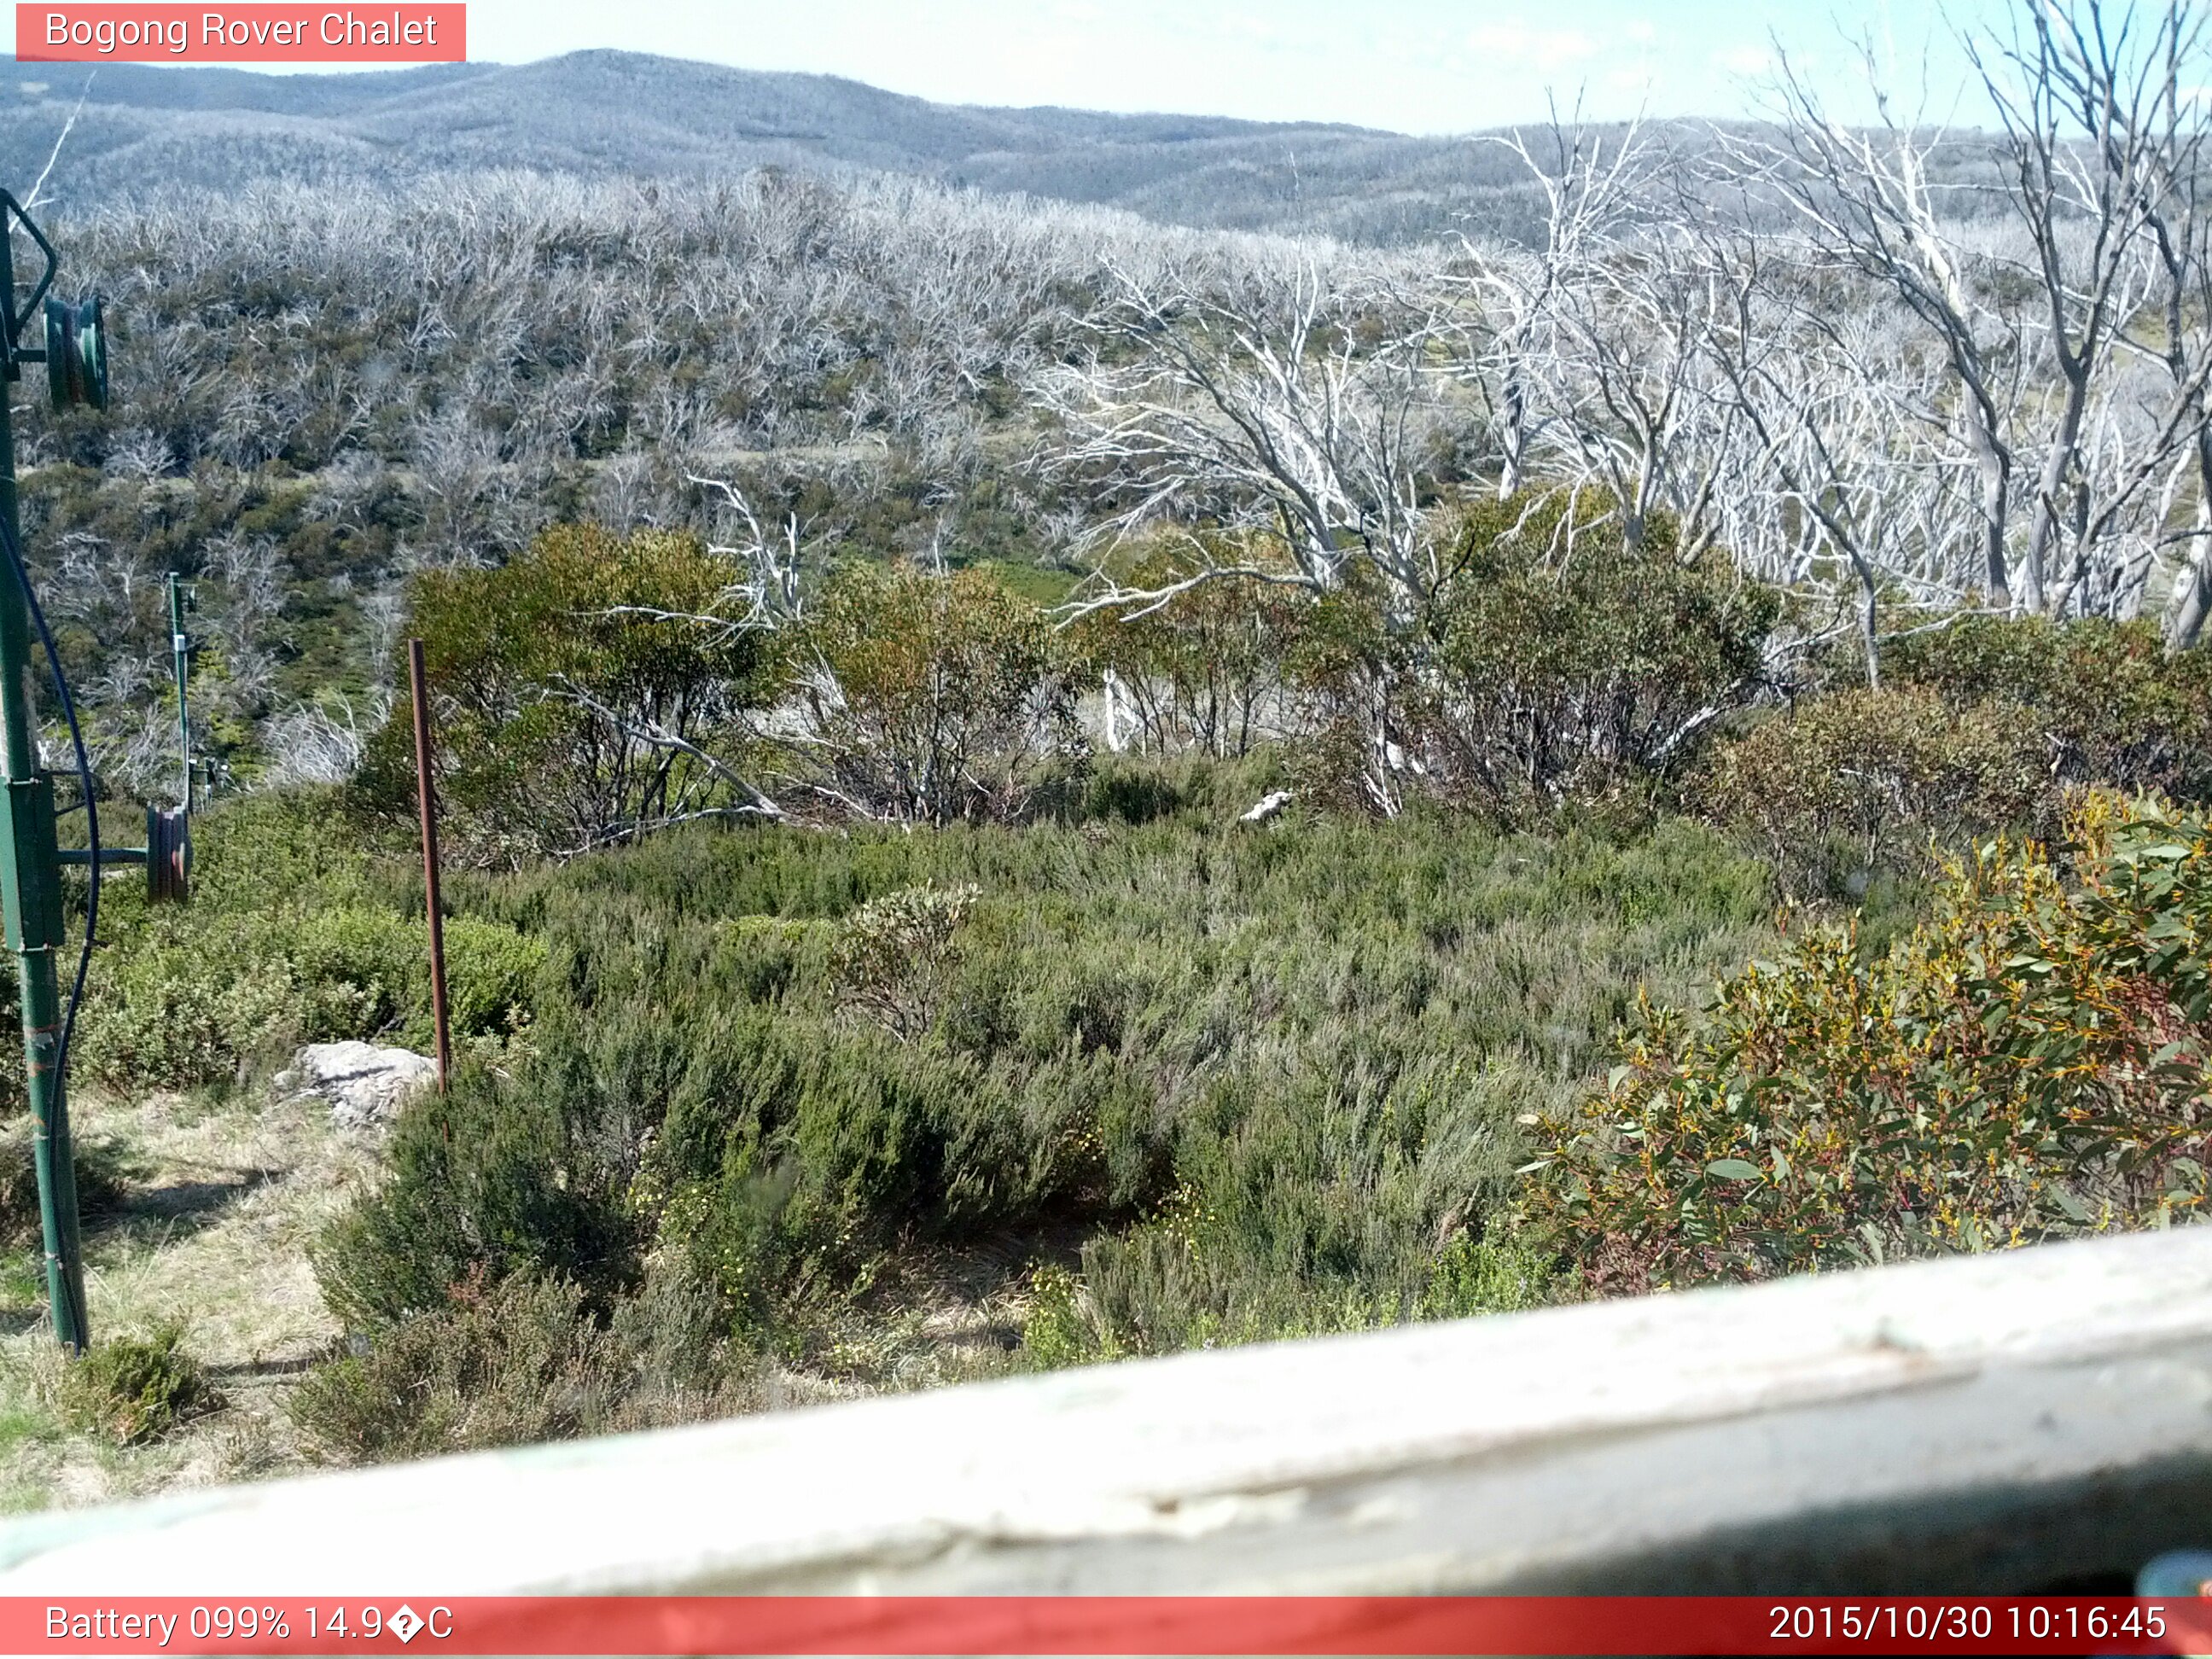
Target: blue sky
{"type": "Point", "coordinates": [1413, 65]}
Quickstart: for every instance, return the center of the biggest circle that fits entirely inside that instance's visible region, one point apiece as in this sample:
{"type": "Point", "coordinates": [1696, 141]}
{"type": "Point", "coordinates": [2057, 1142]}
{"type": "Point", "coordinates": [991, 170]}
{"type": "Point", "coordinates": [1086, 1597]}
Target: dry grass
{"type": "Point", "coordinates": [214, 1232]}
{"type": "Point", "coordinates": [933, 1315]}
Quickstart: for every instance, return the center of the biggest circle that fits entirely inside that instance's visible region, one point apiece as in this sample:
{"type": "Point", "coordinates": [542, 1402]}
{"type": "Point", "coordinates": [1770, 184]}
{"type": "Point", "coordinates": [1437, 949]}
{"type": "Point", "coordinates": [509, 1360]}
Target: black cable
{"type": "Point", "coordinates": [91, 815]}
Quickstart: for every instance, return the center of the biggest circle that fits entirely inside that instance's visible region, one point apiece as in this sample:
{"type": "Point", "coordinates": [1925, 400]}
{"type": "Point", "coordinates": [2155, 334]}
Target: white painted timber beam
{"type": "Point", "coordinates": [2029, 1420]}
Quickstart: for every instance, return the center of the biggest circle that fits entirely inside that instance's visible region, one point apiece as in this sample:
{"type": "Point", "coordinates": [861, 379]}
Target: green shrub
{"type": "Point", "coordinates": [102, 1174]}
{"type": "Point", "coordinates": [1190, 789]}
{"type": "Point", "coordinates": [764, 959]}
{"type": "Point", "coordinates": [1060, 1329]}
{"type": "Point", "coordinates": [189, 1008]}
{"type": "Point", "coordinates": [2028, 1064]}
{"type": "Point", "coordinates": [505, 1364]}
{"type": "Point", "coordinates": [1161, 1288]}
{"type": "Point", "coordinates": [358, 971]}
{"type": "Point", "coordinates": [294, 930]}
{"type": "Point", "coordinates": [2106, 701]}
{"type": "Point", "coordinates": [262, 852]}
{"type": "Point", "coordinates": [1484, 1276]}
{"type": "Point", "coordinates": [492, 979]}
{"type": "Point", "coordinates": [198, 999]}
{"type": "Point", "coordinates": [1322, 1208]}
{"type": "Point", "coordinates": [933, 698]}
{"type": "Point", "coordinates": [134, 1389]}
{"type": "Point", "coordinates": [804, 1147]}
{"type": "Point", "coordinates": [1203, 670]}
{"type": "Point", "coordinates": [895, 954]}
{"type": "Point", "coordinates": [588, 689]}
{"type": "Point", "coordinates": [1319, 1034]}
{"type": "Point", "coordinates": [365, 973]}
{"type": "Point", "coordinates": [1859, 781]}
{"type": "Point", "coordinates": [1551, 664]}
{"type": "Point", "coordinates": [1982, 725]}
{"type": "Point", "coordinates": [494, 1178]}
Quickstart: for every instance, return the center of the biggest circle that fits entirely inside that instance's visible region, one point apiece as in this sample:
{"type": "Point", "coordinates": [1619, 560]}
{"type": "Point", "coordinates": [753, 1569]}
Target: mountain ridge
{"type": "Point", "coordinates": [148, 128]}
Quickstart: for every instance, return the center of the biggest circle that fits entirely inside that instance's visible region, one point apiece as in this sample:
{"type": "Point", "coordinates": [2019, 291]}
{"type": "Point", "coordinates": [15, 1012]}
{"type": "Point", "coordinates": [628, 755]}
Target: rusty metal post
{"type": "Point", "coordinates": [425, 795]}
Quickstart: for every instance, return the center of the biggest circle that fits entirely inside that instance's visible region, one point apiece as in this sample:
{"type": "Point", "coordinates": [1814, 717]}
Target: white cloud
{"type": "Point", "coordinates": [1546, 48]}
{"type": "Point", "coordinates": [1744, 60]}
{"type": "Point", "coordinates": [1642, 30]}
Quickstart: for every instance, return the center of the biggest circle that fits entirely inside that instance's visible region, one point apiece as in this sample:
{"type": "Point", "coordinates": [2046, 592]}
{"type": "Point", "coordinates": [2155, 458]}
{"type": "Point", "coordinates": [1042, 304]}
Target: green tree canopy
{"type": "Point", "coordinates": [585, 691]}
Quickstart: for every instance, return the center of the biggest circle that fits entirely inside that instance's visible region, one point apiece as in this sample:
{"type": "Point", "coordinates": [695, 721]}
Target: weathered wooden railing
{"type": "Point", "coordinates": [2034, 1420]}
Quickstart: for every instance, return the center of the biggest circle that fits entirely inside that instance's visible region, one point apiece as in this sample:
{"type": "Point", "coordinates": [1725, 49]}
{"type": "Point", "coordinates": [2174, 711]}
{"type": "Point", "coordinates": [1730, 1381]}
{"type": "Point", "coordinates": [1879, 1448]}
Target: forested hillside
{"type": "Point", "coordinates": [1027, 784]}
{"type": "Point", "coordinates": [594, 114]}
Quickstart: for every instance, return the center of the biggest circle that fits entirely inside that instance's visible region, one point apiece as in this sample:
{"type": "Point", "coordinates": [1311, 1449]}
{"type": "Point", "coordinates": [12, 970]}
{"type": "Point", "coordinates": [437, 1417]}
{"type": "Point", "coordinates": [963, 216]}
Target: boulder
{"type": "Point", "coordinates": [1270, 803]}
{"type": "Point", "coordinates": [365, 1083]}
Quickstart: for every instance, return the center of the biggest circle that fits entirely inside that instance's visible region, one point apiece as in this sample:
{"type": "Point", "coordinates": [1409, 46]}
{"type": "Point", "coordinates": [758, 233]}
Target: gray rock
{"type": "Point", "coordinates": [1270, 803]}
{"type": "Point", "coordinates": [365, 1083]}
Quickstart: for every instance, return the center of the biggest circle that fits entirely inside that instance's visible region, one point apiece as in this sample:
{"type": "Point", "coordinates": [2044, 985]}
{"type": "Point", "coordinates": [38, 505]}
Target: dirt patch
{"type": "Point", "coordinates": [212, 1230]}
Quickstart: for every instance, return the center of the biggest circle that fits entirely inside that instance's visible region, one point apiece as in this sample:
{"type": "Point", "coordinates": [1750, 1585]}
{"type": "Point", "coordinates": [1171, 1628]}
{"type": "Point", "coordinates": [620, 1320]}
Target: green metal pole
{"type": "Point", "coordinates": [31, 893]}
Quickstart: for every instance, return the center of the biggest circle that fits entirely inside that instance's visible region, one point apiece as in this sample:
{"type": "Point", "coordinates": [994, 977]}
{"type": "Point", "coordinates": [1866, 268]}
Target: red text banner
{"type": "Point", "coordinates": [261, 34]}
{"type": "Point", "coordinates": [1016, 1625]}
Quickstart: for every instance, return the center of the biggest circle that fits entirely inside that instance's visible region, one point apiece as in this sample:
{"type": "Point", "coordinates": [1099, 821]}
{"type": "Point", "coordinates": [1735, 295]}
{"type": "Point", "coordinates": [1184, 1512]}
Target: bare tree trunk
{"type": "Point", "coordinates": [2194, 601]}
{"type": "Point", "coordinates": [1513, 438]}
{"type": "Point", "coordinates": [1869, 616]}
{"type": "Point", "coordinates": [1993, 466]}
{"type": "Point", "coordinates": [2043, 522]}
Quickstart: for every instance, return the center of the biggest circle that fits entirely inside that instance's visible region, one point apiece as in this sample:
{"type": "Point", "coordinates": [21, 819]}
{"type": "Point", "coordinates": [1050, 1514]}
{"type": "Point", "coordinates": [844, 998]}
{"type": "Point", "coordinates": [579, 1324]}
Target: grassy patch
{"type": "Point", "coordinates": [208, 1230]}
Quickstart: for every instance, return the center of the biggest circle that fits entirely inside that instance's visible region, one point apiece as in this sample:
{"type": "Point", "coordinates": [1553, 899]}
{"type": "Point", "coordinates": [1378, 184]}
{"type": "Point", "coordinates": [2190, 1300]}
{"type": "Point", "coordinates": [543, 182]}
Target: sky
{"type": "Point", "coordinates": [1427, 66]}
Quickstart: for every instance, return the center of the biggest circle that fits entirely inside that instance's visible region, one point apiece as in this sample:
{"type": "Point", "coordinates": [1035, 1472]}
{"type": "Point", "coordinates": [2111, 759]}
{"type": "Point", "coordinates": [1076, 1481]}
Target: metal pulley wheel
{"type": "Point", "coordinates": [76, 354]}
{"type": "Point", "coordinates": [168, 856]}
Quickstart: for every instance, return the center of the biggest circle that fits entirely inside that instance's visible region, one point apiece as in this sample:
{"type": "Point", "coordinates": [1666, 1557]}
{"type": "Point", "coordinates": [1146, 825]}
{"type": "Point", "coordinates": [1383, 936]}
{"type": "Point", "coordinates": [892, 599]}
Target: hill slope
{"type": "Point", "coordinates": [144, 128]}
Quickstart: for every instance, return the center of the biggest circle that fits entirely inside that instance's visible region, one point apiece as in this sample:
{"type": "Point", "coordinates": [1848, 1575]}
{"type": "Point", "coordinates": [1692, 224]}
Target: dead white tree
{"type": "Point", "coordinates": [1851, 466]}
{"type": "Point", "coordinates": [766, 586]}
{"type": "Point", "coordinates": [321, 742]}
{"type": "Point", "coordinates": [2161, 124]}
{"type": "Point", "coordinates": [1283, 395]}
{"type": "Point", "coordinates": [1635, 416]}
{"type": "Point", "coordinates": [1866, 197]}
{"type": "Point", "coordinates": [2081, 99]}
{"type": "Point", "coordinates": [1505, 326]}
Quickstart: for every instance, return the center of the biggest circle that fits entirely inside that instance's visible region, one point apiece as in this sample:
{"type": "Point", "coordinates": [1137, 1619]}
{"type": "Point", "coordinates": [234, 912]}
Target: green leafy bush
{"type": "Point", "coordinates": [1267, 1081]}
{"type": "Point", "coordinates": [177, 1010]}
{"type": "Point", "coordinates": [358, 971]}
{"type": "Point", "coordinates": [2031, 1063]}
{"type": "Point", "coordinates": [1861, 782]}
{"type": "Point", "coordinates": [1983, 724]}
{"type": "Point", "coordinates": [1204, 669]}
{"type": "Point", "coordinates": [933, 698]}
{"type": "Point", "coordinates": [895, 956]}
{"type": "Point", "coordinates": [587, 690]}
{"type": "Point", "coordinates": [2107, 703]}
{"type": "Point", "coordinates": [134, 1389]}
{"type": "Point", "coordinates": [492, 979]}
{"type": "Point", "coordinates": [1159, 1288]}
{"type": "Point", "coordinates": [1194, 790]}
{"type": "Point", "coordinates": [1550, 663]}
{"type": "Point", "coordinates": [296, 932]}
{"type": "Point", "coordinates": [198, 994]}
{"type": "Point", "coordinates": [493, 1178]}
